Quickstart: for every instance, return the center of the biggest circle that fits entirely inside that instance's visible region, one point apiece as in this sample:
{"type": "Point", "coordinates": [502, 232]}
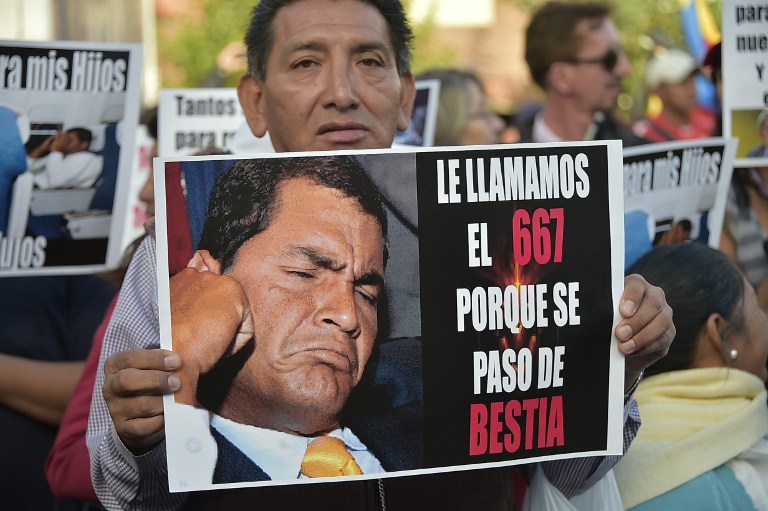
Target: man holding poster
{"type": "Point", "coordinates": [330, 103]}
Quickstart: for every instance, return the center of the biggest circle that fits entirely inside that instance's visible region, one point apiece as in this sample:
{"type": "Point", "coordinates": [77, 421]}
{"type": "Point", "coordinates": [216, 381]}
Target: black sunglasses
{"type": "Point", "coordinates": [608, 61]}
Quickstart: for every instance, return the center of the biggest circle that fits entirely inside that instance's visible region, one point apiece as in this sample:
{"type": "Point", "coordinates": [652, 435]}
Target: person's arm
{"type": "Point", "coordinates": [645, 334]}
{"type": "Point", "coordinates": [646, 331]}
{"type": "Point", "coordinates": [576, 475]}
{"type": "Point", "coordinates": [211, 319]}
{"type": "Point", "coordinates": [42, 149]}
{"type": "Point", "coordinates": [39, 389]}
{"type": "Point", "coordinates": [121, 479]}
{"type": "Point", "coordinates": [74, 170]}
{"type": "Point", "coordinates": [67, 467]}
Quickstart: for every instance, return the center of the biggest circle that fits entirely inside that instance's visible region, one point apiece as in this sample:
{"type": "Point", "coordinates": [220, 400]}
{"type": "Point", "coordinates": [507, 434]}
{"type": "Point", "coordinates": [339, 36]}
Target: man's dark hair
{"type": "Point", "coordinates": [149, 119]}
{"type": "Point", "coordinates": [259, 37]}
{"type": "Point", "coordinates": [697, 281]}
{"type": "Point", "coordinates": [82, 134]}
{"type": "Point", "coordinates": [244, 200]}
{"type": "Point", "coordinates": [552, 36]}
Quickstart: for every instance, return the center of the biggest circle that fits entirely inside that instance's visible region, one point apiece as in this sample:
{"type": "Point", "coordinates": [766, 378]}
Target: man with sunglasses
{"type": "Point", "coordinates": [580, 70]}
{"type": "Point", "coordinates": [574, 53]}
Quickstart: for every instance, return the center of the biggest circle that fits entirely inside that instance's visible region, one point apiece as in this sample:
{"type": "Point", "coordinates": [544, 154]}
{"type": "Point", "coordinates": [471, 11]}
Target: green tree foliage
{"type": "Point", "coordinates": [189, 41]}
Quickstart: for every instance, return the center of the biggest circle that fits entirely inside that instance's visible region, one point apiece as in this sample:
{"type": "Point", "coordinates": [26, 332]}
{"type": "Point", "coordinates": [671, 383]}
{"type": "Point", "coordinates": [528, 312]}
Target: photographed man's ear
{"type": "Point", "coordinates": [204, 261]}
{"type": "Point", "coordinates": [250, 94]}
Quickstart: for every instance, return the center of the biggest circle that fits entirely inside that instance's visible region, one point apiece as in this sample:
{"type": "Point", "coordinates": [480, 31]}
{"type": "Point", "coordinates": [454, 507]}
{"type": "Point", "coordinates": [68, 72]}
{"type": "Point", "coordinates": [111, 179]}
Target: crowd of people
{"type": "Point", "coordinates": [307, 261]}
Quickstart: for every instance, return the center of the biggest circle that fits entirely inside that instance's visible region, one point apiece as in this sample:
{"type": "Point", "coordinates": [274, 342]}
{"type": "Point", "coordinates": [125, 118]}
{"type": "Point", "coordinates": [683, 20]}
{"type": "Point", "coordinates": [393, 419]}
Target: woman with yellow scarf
{"type": "Point", "coordinates": [702, 444]}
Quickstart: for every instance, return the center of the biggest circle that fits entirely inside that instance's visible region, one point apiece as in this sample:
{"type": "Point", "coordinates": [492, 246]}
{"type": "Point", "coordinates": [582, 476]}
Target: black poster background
{"type": "Point", "coordinates": [448, 354]}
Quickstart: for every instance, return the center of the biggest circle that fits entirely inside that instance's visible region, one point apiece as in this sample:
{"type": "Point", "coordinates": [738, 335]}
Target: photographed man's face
{"type": "Point", "coordinates": [71, 144]}
{"type": "Point", "coordinates": [331, 81]}
{"type": "Point", "coordinates": [680, 98]}
{"type": "Point", "coordinates": [764, 131]}
{"type": "Point", "coordinates": [597, 88]}
{"type": "Point", "coordinates": [313, 279]}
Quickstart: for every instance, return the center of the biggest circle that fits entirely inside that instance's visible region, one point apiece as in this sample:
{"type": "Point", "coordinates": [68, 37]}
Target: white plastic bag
{"type": "Point", "coordinates": [543, 496]}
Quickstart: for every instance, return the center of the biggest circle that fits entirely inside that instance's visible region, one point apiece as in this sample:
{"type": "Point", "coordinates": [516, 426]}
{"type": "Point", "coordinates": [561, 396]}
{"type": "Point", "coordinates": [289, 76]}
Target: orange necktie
{"type": "Point", "coordinates": [326, 456]}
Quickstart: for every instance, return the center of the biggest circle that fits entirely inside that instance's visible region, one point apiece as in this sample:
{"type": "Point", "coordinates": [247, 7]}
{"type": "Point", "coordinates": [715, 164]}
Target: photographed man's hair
{"type": "Point", "coordinates": [82, 134]}
{"type": "Point", "coordinates": [697, 281]}
{"type": "Point", "coordinates": [244, 200]}
{"type": "Point", "coordinates": [552, 34]}
{"type": "Point", "coordinates": [259, 38]}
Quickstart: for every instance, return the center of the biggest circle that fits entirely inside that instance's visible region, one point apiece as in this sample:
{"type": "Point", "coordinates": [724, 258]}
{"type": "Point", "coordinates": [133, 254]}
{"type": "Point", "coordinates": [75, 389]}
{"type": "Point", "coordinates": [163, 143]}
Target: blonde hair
{"type": "Point", "coordinates": [453, 111]}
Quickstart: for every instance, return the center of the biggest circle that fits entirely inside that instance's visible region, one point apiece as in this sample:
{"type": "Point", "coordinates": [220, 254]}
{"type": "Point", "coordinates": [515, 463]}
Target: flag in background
{"type": "Point", "coordinates": [701, 33]}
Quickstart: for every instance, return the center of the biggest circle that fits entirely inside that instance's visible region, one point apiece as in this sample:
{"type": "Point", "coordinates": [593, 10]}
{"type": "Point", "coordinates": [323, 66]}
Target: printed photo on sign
{"type": "Point", "coordinates": [374, 314]}
{"type": "Point", "coordinates": [745, 80]}
{"type": "Point", "coordinates": [68, 116]}
{"type": "Point", "coordinates": [421, 129]}
{"type": "Point", "coordinates": [675, 192]}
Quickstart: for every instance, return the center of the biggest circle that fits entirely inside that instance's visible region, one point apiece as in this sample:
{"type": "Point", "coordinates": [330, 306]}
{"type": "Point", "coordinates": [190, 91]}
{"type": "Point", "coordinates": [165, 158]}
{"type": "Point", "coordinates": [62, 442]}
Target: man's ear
{"type": "Point", "coordinates": [204, 261]}
{"type": "Point", "coordinates": [407, 96]}
{"type": "Point", "coordinates": [559, 77]}
{"type": "Point", "coordinates": [250, 94]}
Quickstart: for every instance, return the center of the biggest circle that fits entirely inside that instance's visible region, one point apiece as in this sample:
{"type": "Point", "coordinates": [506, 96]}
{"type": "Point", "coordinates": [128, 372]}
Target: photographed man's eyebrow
{"type": "Point", "coordinates": [372, 278]}
{"type": "Point", "coordinates": [319, 259]}
{"type": "Point", "coordinates": [323, 261]}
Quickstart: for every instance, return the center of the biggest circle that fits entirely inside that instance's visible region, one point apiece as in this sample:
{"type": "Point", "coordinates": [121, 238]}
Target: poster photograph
{"type": "Point", "coordinates": [477, 333]}
{"type": "Point", "coordinates": [745, 80]}
{"type": "Point", "coordinates": [68, 115]}
{"type": "Point", "coordinates": [678, 190]}
{"type": "Point", "coordinates": [421, 129]}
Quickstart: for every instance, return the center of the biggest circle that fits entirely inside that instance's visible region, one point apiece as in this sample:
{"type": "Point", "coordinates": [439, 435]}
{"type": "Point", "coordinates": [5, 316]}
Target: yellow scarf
{"type": "Point", "coordinates": [692, 421]}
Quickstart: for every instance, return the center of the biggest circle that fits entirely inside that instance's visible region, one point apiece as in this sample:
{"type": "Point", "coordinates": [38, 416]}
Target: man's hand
{"type": "Point", "coordinates": [210, 319]}
{"type": "Point", "coordinates": [646, 331]}
{"type": "Point", "coordinates": [134, 383]}
{"type": "Point", "coordinates": [59, 142]}
{"type": "Point", "coordinates": [42, 149]}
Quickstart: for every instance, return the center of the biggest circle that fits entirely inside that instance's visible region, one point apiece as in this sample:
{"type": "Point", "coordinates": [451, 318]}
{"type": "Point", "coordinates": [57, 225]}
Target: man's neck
{"type": "Point", "coordinates": [566, 120]}
{"type": "Point", "coordinates": [675, 117]}
{"type": "Point", "coordinates": [240, 407]}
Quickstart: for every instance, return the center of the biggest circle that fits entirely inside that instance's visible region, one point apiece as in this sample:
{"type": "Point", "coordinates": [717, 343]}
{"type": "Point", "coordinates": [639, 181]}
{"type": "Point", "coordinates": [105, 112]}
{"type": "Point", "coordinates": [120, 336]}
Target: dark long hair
{"type": "Point", "coordinates": [697, 281]}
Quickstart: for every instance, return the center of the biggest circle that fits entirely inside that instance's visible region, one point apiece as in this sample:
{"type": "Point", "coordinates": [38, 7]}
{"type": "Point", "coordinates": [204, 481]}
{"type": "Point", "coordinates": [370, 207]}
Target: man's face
{"type": "Point", "coordinates": [483, 124]}
{"type": "Point", "coordinates": [331, 80]}
{"type": "Point", "coordinates": [680, 98]}
{"type": "Point", "coordinates": [70, 144]}
{"type": "Point", "coordinates": [596, 88]}
{"type": "Point", "coordinates": [313, 280]}
{"type": "Point", "coordinates": [764, 131]}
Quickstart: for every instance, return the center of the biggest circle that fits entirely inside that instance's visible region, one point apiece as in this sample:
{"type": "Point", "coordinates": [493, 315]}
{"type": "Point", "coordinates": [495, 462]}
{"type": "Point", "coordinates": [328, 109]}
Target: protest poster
{"type": "Point", "coordinates": [421, 129]}
{"type": "Point", "coordinates": [676, 191]}
{"type": "Point", "coordinates": [194, 120]}
{"type": "Point", "coordinates": [745, 79]}
{"type": "Point", "coordinates": [137, 215]}
{"type": "Point", "coordinates": [68, 115]}
{"type": "Point", "coordinates": [511, 255]}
